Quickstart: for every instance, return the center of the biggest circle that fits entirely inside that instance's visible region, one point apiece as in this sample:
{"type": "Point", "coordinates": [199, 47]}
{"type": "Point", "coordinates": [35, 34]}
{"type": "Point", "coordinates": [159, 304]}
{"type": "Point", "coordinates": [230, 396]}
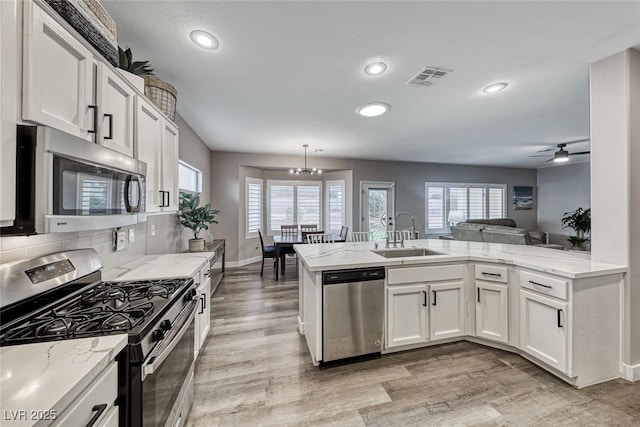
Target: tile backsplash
{"type": "Point", "coordinates": [25, 247]}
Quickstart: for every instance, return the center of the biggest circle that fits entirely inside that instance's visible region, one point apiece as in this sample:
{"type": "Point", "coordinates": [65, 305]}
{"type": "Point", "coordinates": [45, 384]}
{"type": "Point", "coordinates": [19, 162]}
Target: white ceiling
{"type": "Point", "coordinates": [289, 73]}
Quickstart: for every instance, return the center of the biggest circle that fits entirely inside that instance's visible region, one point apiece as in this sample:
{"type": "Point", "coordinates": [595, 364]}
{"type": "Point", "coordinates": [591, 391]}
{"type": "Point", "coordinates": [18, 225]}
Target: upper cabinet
{"type": "Point", "coordinates": [115, 102]}
{"type": "Point", "coordinates": [57, 76]}
{"type": "Point", "coordinates": [170, 146]}
{"type": "Point", "coordinates": [70, 88]}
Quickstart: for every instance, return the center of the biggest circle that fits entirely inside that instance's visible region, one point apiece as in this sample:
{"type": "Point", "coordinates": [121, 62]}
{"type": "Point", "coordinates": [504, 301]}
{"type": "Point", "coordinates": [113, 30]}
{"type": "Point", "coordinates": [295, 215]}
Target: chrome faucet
{"type": "Point", "coordinates": [395, 234]}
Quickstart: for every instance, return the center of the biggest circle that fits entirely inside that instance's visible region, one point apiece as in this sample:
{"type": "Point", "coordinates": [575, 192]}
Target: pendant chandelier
{"type": "Point", "coordinates": [305, 170]}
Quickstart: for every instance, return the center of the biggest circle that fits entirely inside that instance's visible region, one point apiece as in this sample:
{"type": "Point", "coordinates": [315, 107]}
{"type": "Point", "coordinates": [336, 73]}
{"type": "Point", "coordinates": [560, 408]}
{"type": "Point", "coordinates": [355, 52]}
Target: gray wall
{"type": "Point", "coordinates": [561, 189]}
{"type": "Point", "coordinates": [170, 236]}
{"type": "Point", "coordinates": [227, 188]}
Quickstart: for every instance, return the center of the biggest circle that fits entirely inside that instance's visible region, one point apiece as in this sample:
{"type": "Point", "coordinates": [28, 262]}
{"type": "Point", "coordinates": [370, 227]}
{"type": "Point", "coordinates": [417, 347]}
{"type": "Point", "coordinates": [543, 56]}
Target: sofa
{"type": "Point", "coordinates": [497, 230]}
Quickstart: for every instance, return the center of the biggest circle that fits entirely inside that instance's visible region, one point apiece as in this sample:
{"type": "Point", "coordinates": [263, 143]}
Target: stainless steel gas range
{"type": "Point", "coordinates": [61, 296]}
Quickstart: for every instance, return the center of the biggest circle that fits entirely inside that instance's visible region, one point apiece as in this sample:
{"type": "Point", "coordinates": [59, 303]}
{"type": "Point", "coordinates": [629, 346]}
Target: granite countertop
{"type": "Point", "coordinates": [160, 266]}
{"type": "Point", "coordinates": [50, 375]}
{"type": "Point", "coordinates": [568, 264]}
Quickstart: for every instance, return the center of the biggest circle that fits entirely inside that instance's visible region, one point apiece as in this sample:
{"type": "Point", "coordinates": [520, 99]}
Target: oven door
{"type": "Point", "coordinates": [165, 371]}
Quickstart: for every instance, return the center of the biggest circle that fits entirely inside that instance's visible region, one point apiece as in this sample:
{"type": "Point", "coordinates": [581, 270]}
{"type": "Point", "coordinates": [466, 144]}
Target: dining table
{"type": "Point", "coordinates": [282, 242]}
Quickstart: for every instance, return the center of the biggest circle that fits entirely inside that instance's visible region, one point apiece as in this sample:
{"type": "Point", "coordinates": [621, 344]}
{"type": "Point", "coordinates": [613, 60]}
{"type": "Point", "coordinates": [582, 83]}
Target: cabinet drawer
{"type": "Point", "coordinates": [491, 273]}
{"type": "Point", "coordinates": [553, 286]}
{"type": "Point", "coordinates": [425, 274]}
{"type": "Point", "coordinates": [103, 391]}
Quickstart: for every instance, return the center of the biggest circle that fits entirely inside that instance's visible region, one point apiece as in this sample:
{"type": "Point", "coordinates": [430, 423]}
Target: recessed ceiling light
{"type": "Point", "coordinates": [372, 110]}
{"type": "Point", "coordinates": [495, 87]}
{"type": "Point", "coordinates": [205, 40]}
{"type": "Point", "coordinates": [375, 68]}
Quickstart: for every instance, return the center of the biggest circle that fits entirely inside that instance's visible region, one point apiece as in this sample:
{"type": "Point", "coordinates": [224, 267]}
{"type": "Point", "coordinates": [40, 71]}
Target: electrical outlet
{"type": "Point", "coordinates": [120, 241]}
{"type": "Point", "coordinates": [132, 235]}
{"type": "Point", "coordinates": [152, 229]}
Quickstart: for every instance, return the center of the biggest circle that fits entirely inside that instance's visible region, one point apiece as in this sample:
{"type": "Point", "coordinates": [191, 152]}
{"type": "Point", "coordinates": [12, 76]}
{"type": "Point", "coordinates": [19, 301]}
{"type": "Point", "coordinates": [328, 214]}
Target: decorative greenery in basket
{"type": "Point", "coordinates": [195, 218]}
{"type": "Point", "coordinates": [580, 221]}
{"type": "Point", "coordinates": [139, 68]}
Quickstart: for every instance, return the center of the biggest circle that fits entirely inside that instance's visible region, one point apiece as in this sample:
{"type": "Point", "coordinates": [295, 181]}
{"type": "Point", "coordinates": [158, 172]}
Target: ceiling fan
{"type": "Point", "coordinates": [561, 155]}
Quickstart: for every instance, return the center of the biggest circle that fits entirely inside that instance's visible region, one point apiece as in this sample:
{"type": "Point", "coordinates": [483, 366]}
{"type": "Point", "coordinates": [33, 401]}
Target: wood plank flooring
{"type": "Point", "coordinates": [255, 370]}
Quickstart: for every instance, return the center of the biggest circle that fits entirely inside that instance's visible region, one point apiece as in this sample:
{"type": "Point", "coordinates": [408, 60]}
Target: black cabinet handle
{"type": "Point", "coordinates": [539, 284]}
{"type": "Point", "coordinates": [161, 204]}
{"type": "Point", "coordinates": [478, 289]}
{"type": "Point", "coordinates": [168, 199]}
{"type": "Point", "coordinates": [98, 409]}
{"type": "Point", "coordinates": [424, 296]}
{"type": "Point", "coordinates": [95, 119]}
{"type": "Point", "coordinates": [560, 325]}
{"type": "Point", "coordinates": [202, 298]}
{"type": "Point", "coordinates": [207, 274]}
{"type": "Point", "coordinates": [110, 117]}
{"type": "Point", "coordinates": [434, 298]}
{"type": "Point", "coordinates": [491, 274]}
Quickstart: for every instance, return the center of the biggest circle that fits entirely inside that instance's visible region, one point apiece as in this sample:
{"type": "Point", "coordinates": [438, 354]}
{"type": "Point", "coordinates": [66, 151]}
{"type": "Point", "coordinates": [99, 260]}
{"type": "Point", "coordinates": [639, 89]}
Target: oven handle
{"type": "Point", "coordinates": [155, 361]}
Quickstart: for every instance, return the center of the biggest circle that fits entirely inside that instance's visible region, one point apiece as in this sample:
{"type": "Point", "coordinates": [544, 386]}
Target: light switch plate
{"type": "Point", "coordinates": [152, 229]}
{"type": "Point", "coordinates": [132, 235]}
{"type": "Point", "coordinates": [120, 241]}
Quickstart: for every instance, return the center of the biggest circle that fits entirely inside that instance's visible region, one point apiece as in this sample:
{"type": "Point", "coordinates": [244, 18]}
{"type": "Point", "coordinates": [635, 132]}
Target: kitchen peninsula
{"type": "Point", "coordinates": [556, 308]}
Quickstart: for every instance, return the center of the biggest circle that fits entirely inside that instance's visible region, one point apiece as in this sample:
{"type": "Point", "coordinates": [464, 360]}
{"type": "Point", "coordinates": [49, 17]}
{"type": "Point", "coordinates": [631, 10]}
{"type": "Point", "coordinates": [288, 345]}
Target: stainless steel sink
{"type": "Point", "coordinates": [401, 253]}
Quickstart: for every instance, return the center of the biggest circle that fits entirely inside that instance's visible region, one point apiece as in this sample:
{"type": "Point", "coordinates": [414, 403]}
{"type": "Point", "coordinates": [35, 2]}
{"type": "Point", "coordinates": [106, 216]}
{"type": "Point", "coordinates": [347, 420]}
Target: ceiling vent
{"type": "Point", "coordinates": [428, 76]}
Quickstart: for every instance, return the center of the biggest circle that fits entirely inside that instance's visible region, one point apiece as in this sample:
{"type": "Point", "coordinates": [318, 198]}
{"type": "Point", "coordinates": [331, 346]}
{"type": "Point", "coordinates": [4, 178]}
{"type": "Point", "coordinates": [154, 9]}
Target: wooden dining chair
{"type": "Point", "coordinates": [289, 230]}
{"type": "Point", "coordinates": [400, 235]}
{"type": "Point", "coordinates": [343, 232]}
{"type": "Point", "coordinates": [306, 233]}
{"type": "Point", "coordinates": [308, 228]}
{"type": "Point", "coordinates": [267, 252]}
{"type": "Point", "coordinates": [319, 238]}
{"type": "Point", "coordinates": [360, 236]}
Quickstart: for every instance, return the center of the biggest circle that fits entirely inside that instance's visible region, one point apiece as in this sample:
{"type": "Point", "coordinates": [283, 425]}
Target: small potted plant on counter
{"type": "Point", "coordinates": [580, 221]}
{"type": "Point", "coordinates": [196, 218]}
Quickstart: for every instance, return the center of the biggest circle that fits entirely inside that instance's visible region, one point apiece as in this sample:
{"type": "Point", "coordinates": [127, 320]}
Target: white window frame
{"type": "Point", "coordinates": [329, 184]}
{"type": "Point", "coordinates": [198, 177]}
{"type": "Point", "coordinates": [295, 184]}
{"type": "Point", "coordinates": [447, 186]}
{"type": "Point", "coordinates": [255, 181]}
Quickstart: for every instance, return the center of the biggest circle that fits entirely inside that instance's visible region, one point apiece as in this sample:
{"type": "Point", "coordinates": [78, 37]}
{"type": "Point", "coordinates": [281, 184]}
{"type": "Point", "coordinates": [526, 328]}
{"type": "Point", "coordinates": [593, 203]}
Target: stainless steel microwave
{"type": "Point", "coordinates": [66, 184]}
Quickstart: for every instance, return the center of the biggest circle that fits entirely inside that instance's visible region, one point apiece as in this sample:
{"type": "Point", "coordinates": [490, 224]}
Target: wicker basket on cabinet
{"type": "Point", "coordinates": [162, 94]}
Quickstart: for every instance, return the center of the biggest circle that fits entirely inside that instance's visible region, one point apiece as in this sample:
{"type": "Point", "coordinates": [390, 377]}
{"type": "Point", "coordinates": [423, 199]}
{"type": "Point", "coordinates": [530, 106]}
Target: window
{"type": "Point", "coordinates": [462, 201]}
{"type": "Point", "coordinates": [335, 206]}
{"type": "Point", "coordinates": [189, 178]}
{"type": "Point", "coordinates": [293, 202]}
{"type": "Point", "coordinates": [253, 192]}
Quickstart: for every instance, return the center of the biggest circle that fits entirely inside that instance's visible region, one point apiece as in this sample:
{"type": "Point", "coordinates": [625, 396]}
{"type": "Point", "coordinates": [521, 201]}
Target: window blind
{"type": "Point", "coordinates": [294, 202]}
{"type": "Point", "coordinates": [335, 205]}
{"type": "Point", "coordinates": [254, 206]}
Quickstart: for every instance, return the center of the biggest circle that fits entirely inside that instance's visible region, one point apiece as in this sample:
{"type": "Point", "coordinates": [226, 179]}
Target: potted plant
{"type": "Point", "coordinates": [196, 218]}
{"type": "Point", "coordinates": [580, 221]}
{"type": "Point", "coordinates": [134, 71]}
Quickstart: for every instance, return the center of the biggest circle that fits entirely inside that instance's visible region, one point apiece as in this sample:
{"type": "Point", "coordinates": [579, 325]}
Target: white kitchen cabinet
{"type": "Point", "coordinates": [446, 311]}
{"type": "Point", "coordinates": [203, 313]}
{"type": "Point", "coordinates": [407, 315]}
{"type": "Point", "coordinates": [157, 145]}
{"type": "Point", "coordinates": [115, 99]}
{"type": "Point", "coordinates": [57, 76]}
{"type": "Point", "coordinates": [492, 311]}
{"type": "Point", "coordinates": [544, 329]}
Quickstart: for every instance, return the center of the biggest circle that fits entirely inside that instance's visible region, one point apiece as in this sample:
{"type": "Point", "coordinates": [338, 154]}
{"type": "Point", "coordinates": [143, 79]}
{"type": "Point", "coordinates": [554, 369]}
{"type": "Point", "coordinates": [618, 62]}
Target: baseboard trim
{"type": "Point", "coordinates": [631, 372]}
{"type": "Point", "coordinates": [243, 262]}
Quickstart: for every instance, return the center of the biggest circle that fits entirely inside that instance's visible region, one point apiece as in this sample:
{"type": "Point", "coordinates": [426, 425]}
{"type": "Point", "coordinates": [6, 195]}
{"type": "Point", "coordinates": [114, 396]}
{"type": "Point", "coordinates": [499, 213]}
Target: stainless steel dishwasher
{"type": "Point", "coordinates": [352, 312]}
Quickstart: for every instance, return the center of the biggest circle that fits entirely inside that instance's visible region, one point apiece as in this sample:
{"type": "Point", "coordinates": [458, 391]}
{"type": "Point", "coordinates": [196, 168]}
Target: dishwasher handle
{"type": "Point", "coordinates": [352, 275]}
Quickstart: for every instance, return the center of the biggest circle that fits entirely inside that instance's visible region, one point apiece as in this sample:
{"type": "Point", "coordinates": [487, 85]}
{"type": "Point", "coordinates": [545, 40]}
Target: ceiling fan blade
{"type": "Point", "coordinates": [544, 151]}
{"type": "Point", "coordinates": [580, 152]}
{"type": "Point", "coordinates": [543, 155]}
{"type": "Point", "coordinates": [576, 141]}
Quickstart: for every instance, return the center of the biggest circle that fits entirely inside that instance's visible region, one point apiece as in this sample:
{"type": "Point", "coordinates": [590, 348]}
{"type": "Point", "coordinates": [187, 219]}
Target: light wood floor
{"type": "Point", "coordinates": [255, 370]}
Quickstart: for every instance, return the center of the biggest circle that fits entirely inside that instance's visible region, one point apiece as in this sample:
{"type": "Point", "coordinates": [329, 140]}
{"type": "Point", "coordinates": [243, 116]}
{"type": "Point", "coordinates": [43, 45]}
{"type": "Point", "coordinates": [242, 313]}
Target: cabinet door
{"type": "Point", "coordinates": [149, 148]}
{"type": "Point", "coordinates": [115, 99]}
{"type": "Point", "coordinates": [446, 311]}
{"type": "Point", "coordinates": [170, 165]}
{"type": "Point", "coordinates": [492, 312]}
{"type": "Point", "coordinates": [205, 312]}
{"type": "Point", "coordinates": [544, 324]}
{"type": "Point", "coordinates": [57, 77]}
{"type": "Point", "coordinates": [406, 316]}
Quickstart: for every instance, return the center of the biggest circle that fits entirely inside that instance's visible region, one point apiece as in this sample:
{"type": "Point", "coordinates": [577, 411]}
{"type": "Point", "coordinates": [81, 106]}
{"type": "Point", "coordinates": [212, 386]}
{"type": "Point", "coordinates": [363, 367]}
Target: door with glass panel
{"type": "Point", "coordinates": [377, 204]}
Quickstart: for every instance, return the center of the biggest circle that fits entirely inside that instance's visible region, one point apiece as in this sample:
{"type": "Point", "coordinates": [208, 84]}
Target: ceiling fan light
{"type": "Point", "coordinates": [561, 156]}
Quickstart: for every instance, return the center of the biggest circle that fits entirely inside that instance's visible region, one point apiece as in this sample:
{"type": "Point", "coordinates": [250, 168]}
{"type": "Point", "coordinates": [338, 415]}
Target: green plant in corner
{"type": "Point", "coordinates": [580, 221]}
{"type": "Point", "coordinates": [195, 217]}
{"type": "Point", "coordinates": [139, 68]}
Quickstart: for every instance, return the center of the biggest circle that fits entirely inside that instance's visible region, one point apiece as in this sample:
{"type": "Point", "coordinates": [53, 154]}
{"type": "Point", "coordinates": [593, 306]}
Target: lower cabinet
{"type": "Point", "coordinates": [492, 311]}
{"type": "Point", "coordinates": [203, 313]}
{"type": "Point", "coordinates": [544, 324]}
{"type": "Point", "coordinates": [418, 313]}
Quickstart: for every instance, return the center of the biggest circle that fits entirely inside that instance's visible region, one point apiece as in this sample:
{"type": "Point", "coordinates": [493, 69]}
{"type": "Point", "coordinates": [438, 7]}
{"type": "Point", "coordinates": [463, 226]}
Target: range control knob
{"type": "Point", "coordinates": [157, 335]}
{"type": "Point", "coordinates": [191, 293]}
{"type": "Point", "coordinates": [165, 325]}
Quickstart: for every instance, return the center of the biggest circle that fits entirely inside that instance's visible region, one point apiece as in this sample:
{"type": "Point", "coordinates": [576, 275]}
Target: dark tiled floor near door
{"type": "Point", "coordinates": [255, 370]}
